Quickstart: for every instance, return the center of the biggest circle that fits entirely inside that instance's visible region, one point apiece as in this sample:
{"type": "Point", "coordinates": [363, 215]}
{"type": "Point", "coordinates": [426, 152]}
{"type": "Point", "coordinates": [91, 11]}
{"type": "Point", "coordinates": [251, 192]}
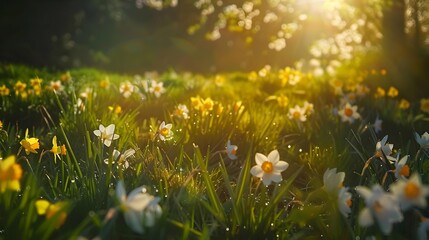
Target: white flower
{"type": "Point", "coordinates": [79, 107]}
{"type": "Point", "coordinates": [231, 150]}
{"type": "Point", "coordinates": [381, 206]}
{"type": "Point", "coordinates": [107, 135]}
{"type": "Point", "coordinates": [344, 201]}
{"type": "Point", "coordinates": [157, 88]}
{"type": "Point", "coordinates": [139, 208]}
{"type": "Point", "coordinates": [165, 132]}
{"type": "Point", "coordinates": [88, 93]}
{"type": "Point", "coordinates": [56, 86]}
{"type": "Point", "coordinates": [382, 148]}
{"type": "Point", "coordinates": [181, 111]}
{"type": "Point", "coordinates": [423, 141]}
{"type": "Point", "coordinates": [269, 168]}
{"type": "Point", "coordinates": [297, 113]}
{"type": "Point", "coordinates": [332, 180]}
{"type": "Point", "coordinates": [401, 167]}
{"type": "Point", "coordinates": [126, 89]}
{"type": "Point", "coordinates": [410, 192]}
{"type": "Point", "coordinates": [121, 158]}
{"type": "Point", "coordinates": [349, 113]}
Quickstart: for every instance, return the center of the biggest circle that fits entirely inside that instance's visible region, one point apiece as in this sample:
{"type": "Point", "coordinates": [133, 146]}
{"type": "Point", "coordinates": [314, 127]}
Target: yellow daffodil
{"type": "Point", "coordinates": [10, 174]}
{"type": "Point", "coordinates": [219, 80]}
{"type": "Point", "coordinates": [56, 86]}
{"type": "Point", "coordinates": [35, 82]}
{"type": "Point", "coordinates": [19, 87]}
{"type": "Point", "coordinates": [29, 144]}
{"type": "Point", "coordinates": [196, 102]}
{"type": "Point", "coordinates": [392, 92]}
{"type": "Point", "coordinates": [404, 104]}
{"type": "Point", "coordinates": [104, 84]}
{"type": "Point", "coordinates": [4, 91]}
{"type": "Point", "coordinates": [380, 92]}
{"type": "Point", "coordinates": [424, 105]}
{"type": "Point", "coordinates": [56, 150]}
{"type": "Point", "coordinates": [44, 207]}
{"type": "Point", "coordinates": [65, 77]}
{"type": "Point", "coordinates": [207, 105]}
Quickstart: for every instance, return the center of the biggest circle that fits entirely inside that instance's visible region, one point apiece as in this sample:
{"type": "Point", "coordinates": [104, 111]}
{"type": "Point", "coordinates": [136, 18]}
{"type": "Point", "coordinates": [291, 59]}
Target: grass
{"type": "Point", "coordinates": [203, 193]}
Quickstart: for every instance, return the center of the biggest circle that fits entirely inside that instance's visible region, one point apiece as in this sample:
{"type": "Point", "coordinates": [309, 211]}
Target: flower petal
{"type": "Point", "coordinates": [274, 156]}
{"type": "Point", "coordinates": [110, 129]}
{"type": "Point", "coordinates": [134, 221]}
{"type": "Point", "coordinates": [260, 158]}
{"type": "Point", "coordinates": [257, 171]}
{"type": "Point", "coordinates": [120, 191]}
{"type": "Point", "coordinates": [365, 218]}
{"type": "Point", "coordinates": [280, 166]}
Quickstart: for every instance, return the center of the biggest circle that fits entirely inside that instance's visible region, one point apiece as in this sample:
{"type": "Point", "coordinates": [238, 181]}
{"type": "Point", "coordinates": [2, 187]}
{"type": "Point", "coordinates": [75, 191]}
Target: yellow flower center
{"type": "Point", "coordinates": [405, 171]}
{"type": "Point", "coordinates": [157, 89]}
{"type": "Point", "coordinates": [348, 112]}
{"type": "Point", "coordinates": [411, 190]}
{"type": "Point", "coordinates": [165, 131]}
{"type": "Point", "coordinates": [267, 167]}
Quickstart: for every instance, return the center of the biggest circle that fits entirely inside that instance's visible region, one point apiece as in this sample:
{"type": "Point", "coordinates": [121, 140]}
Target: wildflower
{"type": "Point", "coordinates": [207, 104]}
{"type": "Point", "coordinates": [308, 108]}
{"type": "Point", "coordinates": [362, 90]}
{"type": "Point", "coordinates": [56, 86]}
{"type": "Point", "coordinates": [104, 83]}
{"type": "Point", "coordinates": [181, 111]}
{"type": "Point", "coordinates": [65, 77]}
{"type": "Point", "coordinates": [30, 144]}
{"type": "Point", "coordinates": [349, 113]}
{"type": "Point", "coordinates": [44, 207]}
{"type": "Point", "coordinates": [381, 206]}
{"type": "Point", "coordinates": [377, 125]}
{"type": "Point", "coordinates": [380, 92]}
{"type": "Point", "coordinates": [56, 150]}
{"type": "Point", "coordinates": [401, 168]}
{"type": "Point", "coordinates": [269, 167]}
{"type": "Point", "coordinates": [410, 192]}
{"type": "Point", "coordinates": [282, 100]}
{"type": "Point", "coordinates": [4, 91]}
{"type": "Point", "coordinates": [297, 113]}
{"type": "Point", "coordinates": [1, 124]}
{"type": "Point", "coordinates": [219, 80]}
{"type": "Point", "coordinates": [79, 107]}
{"type": "Point", "coordinates": [253, 76]}
{"type": "Point", "coordinates": [424, 105]}
{"type": "Point", "coordinates": [382, 148]}
{"type": "Point", "coordinates": [116, 109]}
{"type": "Point", "coordinates": [344, 201]}
{"type": "Point", "coordinates": [264, 71]}
{"type": "Point", "coordinates": [126, 89]}
{"type": "Point", "coordinates": [238, 106]}
{"type": "Point", "coordinates": [392, 92]}
{"type": "Point", "coordinates": [404, 104]}
{"type": "Point", "coordinates": [165, 132]}
{"type": "Point", "coordinates": [337, 85]}
{"type": "Point", "coordinates": [139, 208]}
{"type": "Point", "coordinates": [36, 82]}
{"type": "Point", "coordinates": [231, 150]}
{"type": "Point", "coordinates": [333, 181]}
{"type": "Point", "coordinates": [157, 88]}
{"type": "Point", "coordinates": [19, 87]}
{"type": "Point", "coordinates": [10, 174]}
{"type": "Point", "coordinates": [107, 134]}
{"type": "Point", "coordinates": [196, 102]}
{"type": "Point", "coordinates": [121, 158]}
{"type": "Point", "coordinates": [87, 93]}
{"type": "Point", "coordinates": [63, 150]}
{"type": "Point", "coordinates": [423, 141]}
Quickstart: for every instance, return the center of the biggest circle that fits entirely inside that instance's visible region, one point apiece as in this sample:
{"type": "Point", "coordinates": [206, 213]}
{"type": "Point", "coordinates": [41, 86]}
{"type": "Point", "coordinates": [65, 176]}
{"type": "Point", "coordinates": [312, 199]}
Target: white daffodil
{"type": "Point", "coordinates": [181, 111]}
{"type": "Point", "coordinates": [165, 132]}
{"type": "Point", "coordinates": [231, 150]}
{"type": "Point", "coordinates": [349, 113]}
{"type": "Point", "coordinates": [140, 209]}
{"type": "Point", "coordinates": [126, 89]}
{"type": "Point", "coordinates": [297, 113]}
{"type": "Point", "coordinates": [344, 201]}
{"type": "Point", "coordinates": [269, 168]}
{"type": "Point", "coordinates": [332, 180]}
{"type": "Point", "coordinates": [121, 158]}
{"type": "Point", "coordinates": [423, 140]}
{"type": "Point", "coordinates": [410, 192]}
{"type": "Point", "coordinates": [401, 167]}
{"type": "Point", "coordinates": [157, 88]}
{"type": "Point", "coordinates": [382, 148]}
{"type": "Point", "coordinates": [106, 134]}
{"type": "Point", "coordinates": [379, 205]}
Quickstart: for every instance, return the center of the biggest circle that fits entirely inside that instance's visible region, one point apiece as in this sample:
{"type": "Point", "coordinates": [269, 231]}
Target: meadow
{"type": "Point", "coordinates": [267, 154]}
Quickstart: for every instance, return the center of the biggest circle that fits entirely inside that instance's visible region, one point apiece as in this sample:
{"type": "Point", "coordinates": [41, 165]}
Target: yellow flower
{"type": "Point", "coordinates": [63, 150]}
{"type": "Point", "coordinates": [30, 144]}
{"type": "Point", "coordinates": [56, 150]}
{"type": "Point", "coordinates": [196, 102]}
{"type": "Point", "coordinates": [424, 105]}
{"type": "Point", "coordinates": [207, 105]}
{"type": "Point", "coordinates": [10, 174]}
{"type": "Point", "coordinates": [19, 87]}
{"type": "Point", "coordinates": [283, 101]}
{"type": "Point", "coordinates": [116, 109]}
{"type": "Point", "coordinates": [393, 92]}
{"type": "Point", "coordinates": [35, 82]}
{"type": "Point", "coordinates": [105, 83]}
{"type": "Point", "coordinates": [4, 91]}
{"type": "Point", "coordinates": [65, 77]}
{"type": "Point", "coordinates": [383, 72]}
{"type": "Point", "coordinates": [404, 104]}
{"type": "Point", "coordinates": [219, 80]}
{"type": "Point", "coordinates": [253, 76]}
{"type": "Point", "coordinates": [380, 92]}
{"type": "Point", "coordinates": [44, 207]}
{"type": "Point", "coordinates": [1, 124]}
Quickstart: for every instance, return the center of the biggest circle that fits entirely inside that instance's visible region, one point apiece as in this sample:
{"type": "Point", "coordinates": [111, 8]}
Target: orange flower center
{"type": "Point", "coordinates": [377, 207]}
{"type": "Point", "coordinates": [349, 202]}
{"type": "Point", "coordinates": [157, 89]}
{"type": "Point", "coordinates": [411, 190]}
{"type": "Point", "coordinates": [165, 131]}
{"type": "Point", "coordinates": [405, 171]}
{"type": "Point", "coordinates": [296, 115]}
{"type": "Point", "coordinates": [348, 112]}
{"type": "Point", "coordinates": [233, 151]}
{"type": "Point", "coordinates": [267, 167]}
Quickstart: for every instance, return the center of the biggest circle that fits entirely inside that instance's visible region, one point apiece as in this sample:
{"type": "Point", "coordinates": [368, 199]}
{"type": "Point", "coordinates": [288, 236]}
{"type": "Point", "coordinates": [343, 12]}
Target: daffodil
{"type": "Point", "coordinates": [381, 207]}
{"type": "Point", "coordinates": [349, 113]}
{"type": "Point", "coordinates": [297, 113]}
{"type": "Point", "coordinates": [403, 104]}
{"type": "Point", "coordinates": [269, 168]}
{"type": "Point", "coordinates": [4, 91]}
{"type": "Point", "coordinates": [106, 134]}
{"type": "Point", "coordinates": [10, 174]}
{"type": "Point", "coordinates": [29, 144]}
{"type": "Point", "coordinates": [231, 150]}
{"type": "Point", "coordinates": [207, 105]}
{"type": "Point", "coordinates": [157, 88]}
{"type": "Point", "coordinates": [121, 158]}
{"type": "Point", "coordinates": [181, 111]}
{"type": "Point", "coordinates": [401, 167]}
{"type": "Point", "coordinates": [423, 140]}
{"type": "Point", "coordinates": [333, 181]}
{"type": "Point", "coordinates": [79, 106]}
{"type": "Point", "coordinates": [380, 92]}
{"type": "Point", "coordinates": [344, 201]}
{"type": "Point", "coordinates": [140, 209]}
{"type": "Point", "coordinates": [58, 210]}
{"type": "Point", "coordinates": [382, 149]}
{"type": "Point", "coordinates": [392, 92]}
{"type": "Point", "coordinates": [56, 86]}
{"type": "Point", "coordinates": [424, 105]}
{"type": "Point", "coordinates": [165, 132]}
{"type": "Point", "coordinates": [410, 192]}
{"type": "Point", "coordinates": [56, 150]}
{"type": "Point", "coordinates": [126, 89]}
